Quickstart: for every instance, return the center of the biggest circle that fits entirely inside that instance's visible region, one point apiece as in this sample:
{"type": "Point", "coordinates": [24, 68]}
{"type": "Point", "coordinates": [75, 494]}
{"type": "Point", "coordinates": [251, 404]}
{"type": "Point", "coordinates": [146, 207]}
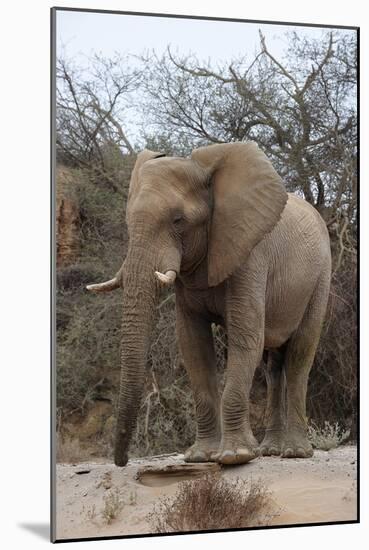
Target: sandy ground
{"type": "Point", "coordinates": [320, 489]}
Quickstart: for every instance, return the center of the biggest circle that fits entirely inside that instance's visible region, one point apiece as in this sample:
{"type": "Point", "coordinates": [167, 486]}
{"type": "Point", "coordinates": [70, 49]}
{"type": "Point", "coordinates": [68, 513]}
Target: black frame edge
{"type": "Point", "coordinates": [358, 413]}
{"type": "Point", "coordinates": [52, 275]}
{"type": "Point", "coordinates": [205, 18]}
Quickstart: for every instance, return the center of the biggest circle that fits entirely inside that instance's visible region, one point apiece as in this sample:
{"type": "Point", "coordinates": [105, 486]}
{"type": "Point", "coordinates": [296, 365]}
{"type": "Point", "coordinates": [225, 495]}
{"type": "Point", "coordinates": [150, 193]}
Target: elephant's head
{"type": "Point", "coordinates": [204, 212]}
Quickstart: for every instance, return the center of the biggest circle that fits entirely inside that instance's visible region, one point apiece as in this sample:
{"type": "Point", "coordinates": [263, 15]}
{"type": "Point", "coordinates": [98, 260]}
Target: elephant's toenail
{"type": "Point", "coordinates": [227, 453]}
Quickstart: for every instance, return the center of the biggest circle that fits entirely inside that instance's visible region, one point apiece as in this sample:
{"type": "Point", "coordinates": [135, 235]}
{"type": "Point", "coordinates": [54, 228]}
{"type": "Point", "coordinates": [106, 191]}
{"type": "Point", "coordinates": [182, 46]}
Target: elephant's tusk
{"type": "Point", "coordinates": [166, 278]}
{"type": "Point", "coordinates": [107, 286]}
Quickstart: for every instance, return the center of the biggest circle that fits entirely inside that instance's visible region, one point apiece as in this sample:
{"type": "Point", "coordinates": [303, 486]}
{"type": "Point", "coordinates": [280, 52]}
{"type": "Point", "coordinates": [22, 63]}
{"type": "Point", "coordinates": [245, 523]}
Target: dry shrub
{"type": "Point", "coordinates": [69, 450]}
{"type": "Point", "coordinates": [72, 449]}
{"type": "Point", "coordinates": [332, 393]}
{"type": "Point", "coordinates": [327, 437]}
{"type": "Point", "coordinates": [212, 502]}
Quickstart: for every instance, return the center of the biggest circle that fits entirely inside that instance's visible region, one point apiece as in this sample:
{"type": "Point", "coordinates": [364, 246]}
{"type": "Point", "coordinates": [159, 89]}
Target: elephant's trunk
{"type": "Point", "coordinates": [138, 312]}
{"type": "Point", "coordinates": [140, 295]}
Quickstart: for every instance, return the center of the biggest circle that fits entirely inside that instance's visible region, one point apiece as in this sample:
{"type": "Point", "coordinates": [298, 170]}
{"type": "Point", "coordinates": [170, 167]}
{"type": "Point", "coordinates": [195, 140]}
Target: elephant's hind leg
{"type": "Point", "coordinates": [275, 414]}
{"type": "Point", "coordinates": [299, 359]}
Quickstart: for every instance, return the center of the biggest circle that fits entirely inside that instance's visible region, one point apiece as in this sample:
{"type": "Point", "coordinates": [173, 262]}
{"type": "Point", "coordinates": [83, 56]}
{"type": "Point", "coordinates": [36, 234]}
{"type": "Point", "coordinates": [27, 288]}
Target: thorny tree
{"type": "Point", "coordinates": [92, 109]}
{"type": "Point", "coordinates": [301, 111]}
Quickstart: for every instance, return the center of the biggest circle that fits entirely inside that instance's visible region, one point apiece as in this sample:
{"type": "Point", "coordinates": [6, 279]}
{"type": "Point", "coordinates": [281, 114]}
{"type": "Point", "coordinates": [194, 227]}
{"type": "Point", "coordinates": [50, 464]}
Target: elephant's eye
{"type": "Point", "coordinates": [177, 220]}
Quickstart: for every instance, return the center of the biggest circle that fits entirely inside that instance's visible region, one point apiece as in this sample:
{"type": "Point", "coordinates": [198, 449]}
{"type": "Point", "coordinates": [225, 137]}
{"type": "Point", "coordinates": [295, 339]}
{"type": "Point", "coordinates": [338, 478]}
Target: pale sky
{"type": "Point", "coordinates": [83, 33]}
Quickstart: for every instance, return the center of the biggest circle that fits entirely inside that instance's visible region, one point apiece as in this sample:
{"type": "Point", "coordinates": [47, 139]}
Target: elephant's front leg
{"type": "Point", "coordinates": [196, 345]}
{"type": "Point", "coordinates": [245, 327]}
{"type": "Point", "coordinates": [238, 444]}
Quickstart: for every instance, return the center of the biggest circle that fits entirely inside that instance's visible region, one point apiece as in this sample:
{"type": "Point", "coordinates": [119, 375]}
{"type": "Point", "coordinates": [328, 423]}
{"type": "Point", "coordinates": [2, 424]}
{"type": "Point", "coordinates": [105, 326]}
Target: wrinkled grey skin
{"type": "Point", "coordinates": [247, 255]}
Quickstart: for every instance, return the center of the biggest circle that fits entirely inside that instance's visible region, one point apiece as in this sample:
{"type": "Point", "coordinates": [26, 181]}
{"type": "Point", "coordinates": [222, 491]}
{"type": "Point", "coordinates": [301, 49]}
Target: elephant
{"type": "Point", "coordinates": [241, 252]}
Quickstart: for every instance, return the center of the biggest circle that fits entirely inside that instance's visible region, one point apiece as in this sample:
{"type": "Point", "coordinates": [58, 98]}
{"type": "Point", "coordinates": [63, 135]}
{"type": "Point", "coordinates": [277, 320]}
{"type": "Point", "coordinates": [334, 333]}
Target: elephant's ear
{"type": "Point", "coordinates": [248, 199]}
{"type": "Point", "coordinates": [142, 157]}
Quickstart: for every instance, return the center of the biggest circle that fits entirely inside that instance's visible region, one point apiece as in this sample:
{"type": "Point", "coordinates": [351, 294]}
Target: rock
{"type": "Point", "coordinates": [156, 476]}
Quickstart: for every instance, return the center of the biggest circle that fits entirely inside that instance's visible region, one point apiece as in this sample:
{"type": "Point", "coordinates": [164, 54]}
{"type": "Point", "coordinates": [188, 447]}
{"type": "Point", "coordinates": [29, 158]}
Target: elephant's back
{"type": "Point", "coordinates": [304, 231]}
{"type": "Point", "coordinates": [299, 209]}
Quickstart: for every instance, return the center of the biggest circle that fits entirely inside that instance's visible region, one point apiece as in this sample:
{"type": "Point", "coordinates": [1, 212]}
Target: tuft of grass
{"type": "Point", "coordinates": [212, 502]}
{"type": "Point", "coordinates": [90, 512]}
{"type": "Point", "coordinates": [113, 505]}
{"type": "Point", "coordinates": [132, 498]}
{"type": "Point", "coordinates": [327, 437]}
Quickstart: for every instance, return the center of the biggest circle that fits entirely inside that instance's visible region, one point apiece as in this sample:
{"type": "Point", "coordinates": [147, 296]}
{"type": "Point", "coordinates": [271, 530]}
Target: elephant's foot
{"type": "Point", "coordinates": [296, 445]}
{"type": "Point", "coordinates": [272, 443]}
{"type": "Point", "coordinates": [202, 451]}
{"type": "Point", "coordinates": [237, 452]}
